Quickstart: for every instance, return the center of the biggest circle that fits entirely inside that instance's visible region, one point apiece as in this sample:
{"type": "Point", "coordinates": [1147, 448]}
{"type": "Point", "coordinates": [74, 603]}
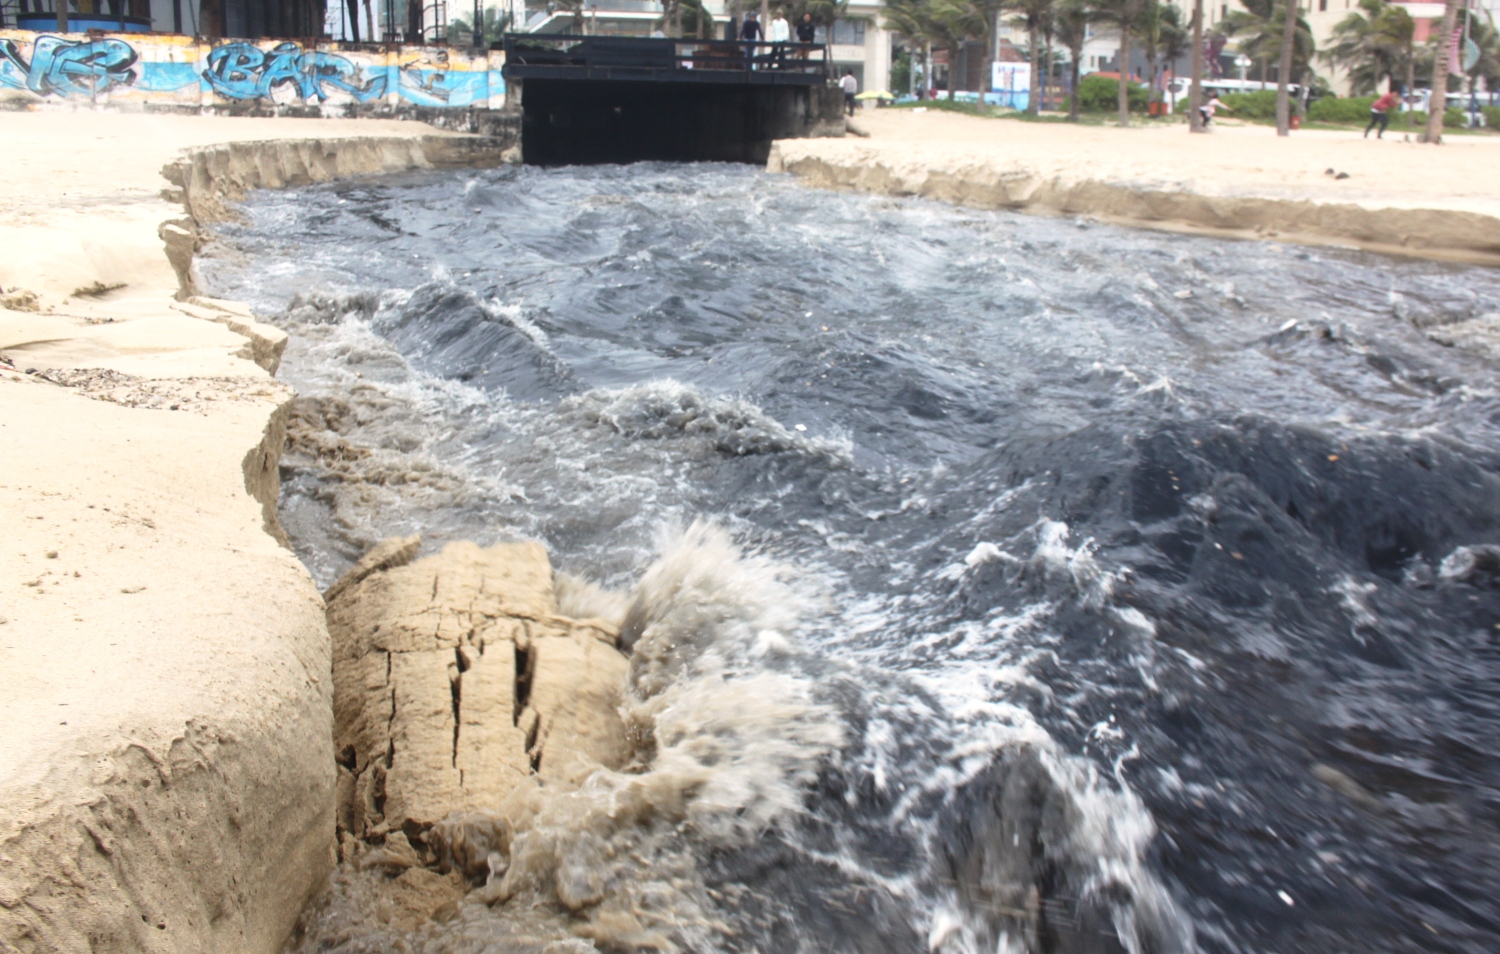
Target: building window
{"type": "Point", "coordinates": [845, 33]}
{"type": "Point", "coordinates": [1322, 6]}
{"type": "Point", "coordinates": [1224, 11]}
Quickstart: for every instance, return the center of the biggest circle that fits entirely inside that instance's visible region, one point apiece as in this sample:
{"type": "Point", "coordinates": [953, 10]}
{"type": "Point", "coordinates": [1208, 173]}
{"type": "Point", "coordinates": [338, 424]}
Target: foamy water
{"type": "Point", "coordinates": [1000, 584]}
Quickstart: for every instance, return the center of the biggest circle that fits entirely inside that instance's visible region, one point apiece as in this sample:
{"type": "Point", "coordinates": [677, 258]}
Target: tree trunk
{"type": "Point", "coordinates": [370, 20]}
{"type": "Point", "coordinates": [1195, 91]}
{"type": "Point", "coordinates": [1284, 71]}
{"type": "Point", "coordinates": [62, 15]}
{"type": "Point", "coordinates": [1073, 92]}
{"type": "Point", "coordinates": [1125, 71]}
{"type": "Point", "coordinates": [1437, 103]}
{"type": "Point", "coordinates": [952, 68]}
{"type": "Point", "coordinates": [1411, 80]}
{"type": "Point", "coordinates": [1033, 101]}
{"type": "Point", "coordinates": [986, 81]}
{"type": "Point", "coordinates": [1048, 70]}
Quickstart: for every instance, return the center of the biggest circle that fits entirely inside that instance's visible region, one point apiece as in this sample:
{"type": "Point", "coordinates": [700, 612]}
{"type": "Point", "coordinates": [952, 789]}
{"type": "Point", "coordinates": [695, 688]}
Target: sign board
{"type": "Point", "coordinates": [1011, 77]}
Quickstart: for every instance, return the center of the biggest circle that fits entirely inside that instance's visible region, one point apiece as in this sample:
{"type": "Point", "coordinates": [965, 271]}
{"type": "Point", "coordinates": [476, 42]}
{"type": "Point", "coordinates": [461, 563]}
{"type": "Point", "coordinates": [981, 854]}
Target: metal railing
{"type": "Point", "coordinates": [656, 54]}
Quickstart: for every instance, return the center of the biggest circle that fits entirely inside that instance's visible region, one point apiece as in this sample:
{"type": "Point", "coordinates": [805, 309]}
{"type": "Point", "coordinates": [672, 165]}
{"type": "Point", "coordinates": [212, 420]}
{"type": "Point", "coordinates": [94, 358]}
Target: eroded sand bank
{"type": "Point", "coordinates": [1436, 202]}
{"type": "Point", "coordinates": [165, 701]}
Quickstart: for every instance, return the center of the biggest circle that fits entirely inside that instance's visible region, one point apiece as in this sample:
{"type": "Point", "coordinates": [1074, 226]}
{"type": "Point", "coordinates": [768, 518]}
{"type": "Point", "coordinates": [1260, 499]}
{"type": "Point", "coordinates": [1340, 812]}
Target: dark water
{"type": "Point", "coordinates": [1155, 606]}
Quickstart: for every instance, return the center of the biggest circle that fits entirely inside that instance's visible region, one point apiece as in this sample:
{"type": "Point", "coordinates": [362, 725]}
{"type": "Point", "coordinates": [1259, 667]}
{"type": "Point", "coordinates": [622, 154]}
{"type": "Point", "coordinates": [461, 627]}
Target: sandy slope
{"type": "Point", "coordinates": [165, 705]}
{"type": "Point", "coordinates": [1238, 179]}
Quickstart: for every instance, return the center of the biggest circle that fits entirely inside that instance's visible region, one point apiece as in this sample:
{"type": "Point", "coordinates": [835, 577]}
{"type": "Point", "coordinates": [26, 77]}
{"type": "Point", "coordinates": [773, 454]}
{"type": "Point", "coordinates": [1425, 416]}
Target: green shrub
{"type": "Point", "coordinates": [1452, 118]}
{"type": "Point", "coordinates": [1260, 104]}
{"type": "Point", "coordinates": [1100, 94]}
{"type": "Point", "coordinates": [1332, 109]}
{"type": "Point", "coordinates": [1491, 117]}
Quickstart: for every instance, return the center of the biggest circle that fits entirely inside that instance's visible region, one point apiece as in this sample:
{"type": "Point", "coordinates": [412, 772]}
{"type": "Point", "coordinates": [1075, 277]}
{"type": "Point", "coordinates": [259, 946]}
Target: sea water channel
{"type": "Point", "coordinates": [1137, 592]}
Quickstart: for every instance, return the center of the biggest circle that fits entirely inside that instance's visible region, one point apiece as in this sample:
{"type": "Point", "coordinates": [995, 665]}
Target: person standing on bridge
{"type": "Point", "coordinates": [781, 32]}
{"type": "Point", "coordinates": [752, 34]}
{"type": "Point", "coordinates": [807, 32]}
{"type": "Point", "coordinates": [850, 86]}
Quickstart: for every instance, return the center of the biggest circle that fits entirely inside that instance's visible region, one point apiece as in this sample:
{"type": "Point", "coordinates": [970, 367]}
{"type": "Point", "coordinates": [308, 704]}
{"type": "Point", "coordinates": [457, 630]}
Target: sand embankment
{"type": "Point", "coordinates": [1238, 181]}
{"type": "Point", "coordinates": [165, 700]}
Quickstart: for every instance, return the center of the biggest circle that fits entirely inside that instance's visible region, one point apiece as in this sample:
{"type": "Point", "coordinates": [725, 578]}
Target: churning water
{"type": "Point", "coordinates": [1099, 590]}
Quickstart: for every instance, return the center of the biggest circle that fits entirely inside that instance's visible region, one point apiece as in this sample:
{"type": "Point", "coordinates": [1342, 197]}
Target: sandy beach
{"type": "Point", "coordinates": [164, 697]}
{"type": "Point", "coordinates": [1239, 179]}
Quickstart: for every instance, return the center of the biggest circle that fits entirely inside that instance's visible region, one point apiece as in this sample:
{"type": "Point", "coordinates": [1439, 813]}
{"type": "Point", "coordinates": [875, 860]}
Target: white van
{"type": "Point", "coordinates": [1181, 88]}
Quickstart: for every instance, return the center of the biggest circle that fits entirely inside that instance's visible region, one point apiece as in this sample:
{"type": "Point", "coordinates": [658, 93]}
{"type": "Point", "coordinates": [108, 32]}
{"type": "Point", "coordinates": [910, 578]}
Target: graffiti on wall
{"type": "Point", "coordinates": [244, 71]}
{"type": "Point", "coordinates": [66, 67]}
{"type": "Point", "coordinates": [182, 70]}
{"type": "Point", "coordinates": [440, 78]}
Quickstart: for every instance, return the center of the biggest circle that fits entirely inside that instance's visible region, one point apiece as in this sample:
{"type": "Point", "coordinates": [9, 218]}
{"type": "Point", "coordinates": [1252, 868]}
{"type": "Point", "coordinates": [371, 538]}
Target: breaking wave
{"type": "Point", "coordinates": [1020, 601]}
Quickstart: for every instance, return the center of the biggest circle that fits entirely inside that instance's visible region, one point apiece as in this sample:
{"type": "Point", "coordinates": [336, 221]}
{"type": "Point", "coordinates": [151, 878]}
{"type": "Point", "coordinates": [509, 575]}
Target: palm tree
{"type": "Point", "coordinates": [1070, 22]}
{"type": "Point", "coordinates": [1480, 30]}
{"type": "Point", "coordinates": [686, 18]}
{"type": "Point", "coordinates": [1261, 27]}
{"type": "Point", "coordinates": [1163, 36]}
{"type": "Point", "coordinates": [1289, 19]}
{"type": "Point", "coordinates": [987, 13]}
{"type": "Point", "coordinates": [824, 12]}
{"type": "Point", "coordinates": [950, 23]}
{"type": "Point", "coordinates": [494, 22]}
{"type": "Point", "coordinates": [1123, 14]}
{"type": "Point", "coordinates": [1034, 16]}
{"type": "Point", "coordinates": [909, 18]}
{"type": "Point", "coordinates": [1195, 67]}
{"type": "Point", "coordinates": [577, 9]}
{"type": "Point", "coordinates": [1049, 58]}
{"type": "Point", "coordinates": [1438, 104]}
{"type": "Point", "coordinates": [1372, 44]}
{"type": "Point", "coordinates": [1484, 35]}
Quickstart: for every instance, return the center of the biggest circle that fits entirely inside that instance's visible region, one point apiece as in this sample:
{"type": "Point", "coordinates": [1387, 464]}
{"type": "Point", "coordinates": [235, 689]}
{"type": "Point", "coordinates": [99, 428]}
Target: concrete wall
{"type": "Point", "coordinates": [167, 71]}
{"type": "Point", "coordinates": [587, 121]}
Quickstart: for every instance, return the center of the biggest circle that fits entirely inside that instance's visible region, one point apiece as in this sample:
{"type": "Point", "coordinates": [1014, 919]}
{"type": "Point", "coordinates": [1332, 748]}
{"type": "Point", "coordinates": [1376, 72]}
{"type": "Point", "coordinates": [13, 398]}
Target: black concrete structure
{"type": "Point", "coordinates": [628, 99]}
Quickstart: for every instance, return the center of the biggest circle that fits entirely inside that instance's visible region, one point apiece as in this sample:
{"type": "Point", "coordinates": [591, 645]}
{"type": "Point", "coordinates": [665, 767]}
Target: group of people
{"type": "Point", "coordinates": [1380, 112]}
{"type": "Point", "coordinates": [752, 33]}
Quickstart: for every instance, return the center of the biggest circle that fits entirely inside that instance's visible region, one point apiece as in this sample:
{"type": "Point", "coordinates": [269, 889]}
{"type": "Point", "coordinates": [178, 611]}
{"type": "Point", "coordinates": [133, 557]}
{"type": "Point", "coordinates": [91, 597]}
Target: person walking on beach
{"type": "Point", "coordinates": [1207, 109]}
{"type": "Point", "coordinates": [1380, 113]}
{"type": "Point", "coordinates": [850, 86]}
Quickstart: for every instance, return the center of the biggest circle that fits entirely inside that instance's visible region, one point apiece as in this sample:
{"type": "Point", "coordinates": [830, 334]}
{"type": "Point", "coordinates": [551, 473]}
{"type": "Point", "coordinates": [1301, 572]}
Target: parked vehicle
{"type": "Point", "coordinates": [1180, 88]}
